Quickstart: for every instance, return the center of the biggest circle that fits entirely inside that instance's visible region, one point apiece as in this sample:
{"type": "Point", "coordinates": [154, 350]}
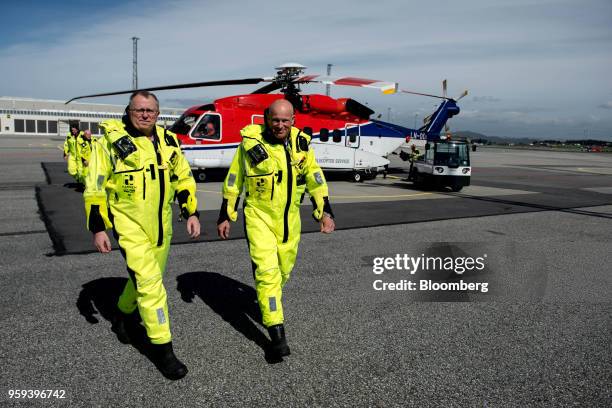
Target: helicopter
{"type": "Point", "coordinates": [344, 136]}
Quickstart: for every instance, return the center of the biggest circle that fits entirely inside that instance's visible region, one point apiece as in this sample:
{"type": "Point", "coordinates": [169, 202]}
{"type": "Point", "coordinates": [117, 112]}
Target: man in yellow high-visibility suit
{"type": "Point", "coordinates": [83, 149]}
{"type": "Point", "coordinates": [275, 164]}
{"type": "Point", "coordinates": [134, 171]}
{"type": "Point", "coordinates": [70, 150]}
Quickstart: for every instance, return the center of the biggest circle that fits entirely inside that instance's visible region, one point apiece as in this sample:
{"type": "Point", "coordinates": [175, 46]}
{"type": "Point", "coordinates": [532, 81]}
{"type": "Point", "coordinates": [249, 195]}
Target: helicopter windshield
{"type": "Point", "coordinates": [451, 155]}
{"type": "Point", "coordinates": [209, 127]}
{"type": "Point", "coordinates": [184, 123]}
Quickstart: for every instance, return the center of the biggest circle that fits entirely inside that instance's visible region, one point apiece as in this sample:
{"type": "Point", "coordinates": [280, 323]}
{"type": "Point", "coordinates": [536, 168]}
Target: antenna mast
{"type": "Point", "coordinates": [135, 62]}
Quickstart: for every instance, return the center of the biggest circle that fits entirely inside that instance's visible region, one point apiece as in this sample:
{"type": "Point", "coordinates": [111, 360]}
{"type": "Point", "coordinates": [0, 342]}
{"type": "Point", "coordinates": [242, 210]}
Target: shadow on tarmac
{"type": "Point", "coordinates": [100, 297]}
{"type": "Point", "coordinates": [234, 301]}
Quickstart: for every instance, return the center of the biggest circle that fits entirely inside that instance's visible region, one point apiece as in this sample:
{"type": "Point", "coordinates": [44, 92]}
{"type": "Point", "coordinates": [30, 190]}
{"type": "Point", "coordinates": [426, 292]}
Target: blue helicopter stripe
{"type": "Point", "coordinates": [209, 147]}
{"type": "Point", "coordinates": [376, 128]}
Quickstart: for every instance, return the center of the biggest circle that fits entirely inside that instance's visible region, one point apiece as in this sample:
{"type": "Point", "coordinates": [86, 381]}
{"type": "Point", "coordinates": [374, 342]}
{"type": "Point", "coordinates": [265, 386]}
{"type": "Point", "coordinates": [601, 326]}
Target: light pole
{"type": "Point", "coordinates": [327, 87]}
{"type": "Point", "coordinates": [135, 62]}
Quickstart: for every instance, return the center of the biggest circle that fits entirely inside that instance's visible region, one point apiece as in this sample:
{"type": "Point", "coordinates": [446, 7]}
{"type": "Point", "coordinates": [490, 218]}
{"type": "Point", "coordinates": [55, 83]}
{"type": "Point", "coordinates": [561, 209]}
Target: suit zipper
{"type": "Point", "coordinates": [162, 188]}
{"type": "Point", "coordinates": [289, 191]}
{"type": "Point", "coordinates": [144, 185]}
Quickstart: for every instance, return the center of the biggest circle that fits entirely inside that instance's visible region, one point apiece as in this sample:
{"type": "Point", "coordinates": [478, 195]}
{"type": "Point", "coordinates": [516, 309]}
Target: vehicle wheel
{"type": "Point", "coordinates": [200, 176]}
{"type": "Point", "coordinates": [456, 189]}
{"type": "Point", "coordinates": [357, 177]}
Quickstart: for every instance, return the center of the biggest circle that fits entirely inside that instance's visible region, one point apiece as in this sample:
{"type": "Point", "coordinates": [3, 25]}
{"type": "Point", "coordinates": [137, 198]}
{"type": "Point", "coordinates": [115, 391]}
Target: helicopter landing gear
{"type": "Point", "coordinates": [199, 175]}
{"type": "Point", "coordinates": [361, 175]}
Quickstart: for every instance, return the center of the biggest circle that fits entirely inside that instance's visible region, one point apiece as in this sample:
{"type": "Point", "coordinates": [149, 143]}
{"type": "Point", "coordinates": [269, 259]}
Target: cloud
{"type": "Point", "coordinates": [607, 105]}
{"type": "Point", "coordinates": [527, 58]}
{"type": "Point", "coordinates": [185, 102]}
{"type": "Point", "coordinates": [485, 99]}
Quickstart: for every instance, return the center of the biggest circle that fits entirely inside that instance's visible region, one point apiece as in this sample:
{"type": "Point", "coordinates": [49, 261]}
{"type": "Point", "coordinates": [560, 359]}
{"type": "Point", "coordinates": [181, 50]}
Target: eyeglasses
{"type": "Point", "coordinates": [142, 111]}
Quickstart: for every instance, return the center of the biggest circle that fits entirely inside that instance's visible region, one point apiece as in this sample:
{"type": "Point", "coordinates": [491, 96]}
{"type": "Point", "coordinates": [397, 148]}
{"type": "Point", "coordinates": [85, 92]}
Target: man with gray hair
{"type": "Point", "coordinates": [134, 172]}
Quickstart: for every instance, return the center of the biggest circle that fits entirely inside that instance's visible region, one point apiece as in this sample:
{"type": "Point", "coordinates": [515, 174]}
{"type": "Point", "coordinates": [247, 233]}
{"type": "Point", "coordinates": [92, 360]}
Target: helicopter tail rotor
{"type": "Point", "coordinates": [444, 93]}
{"type": "Point", "coordinates": [447, 131]}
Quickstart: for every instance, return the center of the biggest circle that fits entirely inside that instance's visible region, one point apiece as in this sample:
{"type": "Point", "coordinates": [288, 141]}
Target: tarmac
{"type": "Point", "coordinates": [540, 223]}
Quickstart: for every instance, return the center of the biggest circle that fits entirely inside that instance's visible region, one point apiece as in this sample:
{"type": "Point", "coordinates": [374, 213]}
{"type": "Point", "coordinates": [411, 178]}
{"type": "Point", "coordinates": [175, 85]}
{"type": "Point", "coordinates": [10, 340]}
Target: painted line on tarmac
{"type": "Point", "coordinates": [208, 191]}
{"type": "Point", "coordinates": [595, 170]}
{"type": "Point", "coordinates": [10, 234]}
{"type": "Point", "coordinates": [347, 196]}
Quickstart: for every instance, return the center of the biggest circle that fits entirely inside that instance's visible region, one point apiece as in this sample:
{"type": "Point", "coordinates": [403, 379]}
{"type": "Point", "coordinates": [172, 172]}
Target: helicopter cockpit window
{"type": "Point", "coordinates": [209, 128]}
{"type": "Point", "coordinates": [324, 134]}
{"type": "Point", "coordinates": [337, 136]}
{"type": "Point", "coordinates": [183, 124]}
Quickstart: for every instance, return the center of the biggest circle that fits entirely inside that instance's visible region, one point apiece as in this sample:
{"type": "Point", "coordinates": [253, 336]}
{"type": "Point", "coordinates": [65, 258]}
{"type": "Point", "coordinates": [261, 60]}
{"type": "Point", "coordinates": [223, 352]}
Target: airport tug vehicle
{"type": "Point", "coordinates": [446, 163]}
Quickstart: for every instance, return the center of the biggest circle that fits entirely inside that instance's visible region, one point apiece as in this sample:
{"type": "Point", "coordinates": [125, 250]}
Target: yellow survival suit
{"type": "Point", "coordinates": [70, 153]}
{"type": "Point", "coordinates": [130, 185]}
{"type": "Point", "coordinates": [275, 176]}
{"type": "Point", "coordinates": [83, 149]}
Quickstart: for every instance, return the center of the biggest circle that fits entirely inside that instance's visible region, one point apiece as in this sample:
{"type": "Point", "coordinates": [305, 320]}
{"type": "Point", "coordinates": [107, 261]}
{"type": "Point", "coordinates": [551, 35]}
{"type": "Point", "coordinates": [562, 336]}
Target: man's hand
{"type": "Point", "coordinates": [85, 163]}
{"type": "Point", "coordinates": [223, 229]}
{"type": "Point", "coordinates": [101, 242]}
{"type": "Point", "coordinates": [327, 224]}
{"type": "Point", "coordinates": [193, 227]}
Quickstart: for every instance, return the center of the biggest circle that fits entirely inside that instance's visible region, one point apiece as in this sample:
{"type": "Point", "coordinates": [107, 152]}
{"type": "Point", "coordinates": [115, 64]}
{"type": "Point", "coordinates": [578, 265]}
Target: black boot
{"type": "Point", "coordinates": [279, 347]}
{"type": "Point", "coordinates": [122, 324]}
{"type": "Point", "coordinates": [164, 359]}
{"type": "Point", "coordinates": [118, 327]}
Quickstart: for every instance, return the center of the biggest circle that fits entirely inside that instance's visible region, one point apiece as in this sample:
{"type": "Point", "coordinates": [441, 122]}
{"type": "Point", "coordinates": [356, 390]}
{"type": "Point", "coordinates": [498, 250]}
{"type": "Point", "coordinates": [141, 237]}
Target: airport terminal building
{"type": "Point", "coordinates": [39, 117]}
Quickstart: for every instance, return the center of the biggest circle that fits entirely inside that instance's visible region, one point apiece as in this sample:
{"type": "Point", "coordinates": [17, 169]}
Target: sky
{"type": "Point", "coordinates": [533, 68]}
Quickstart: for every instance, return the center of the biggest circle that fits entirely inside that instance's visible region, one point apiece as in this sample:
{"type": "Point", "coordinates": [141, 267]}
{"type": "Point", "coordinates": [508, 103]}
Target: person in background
{"type": "Point", "coordinates": [83, 149]}
{"type": "Point", "coordinates": [70, 150]}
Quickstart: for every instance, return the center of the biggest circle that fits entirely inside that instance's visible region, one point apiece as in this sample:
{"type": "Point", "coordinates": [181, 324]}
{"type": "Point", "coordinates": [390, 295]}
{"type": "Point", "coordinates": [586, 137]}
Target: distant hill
{"type": "Point", "coordinates": [474, 136]}
{"type": "Point", "coordinates": [501, 140]}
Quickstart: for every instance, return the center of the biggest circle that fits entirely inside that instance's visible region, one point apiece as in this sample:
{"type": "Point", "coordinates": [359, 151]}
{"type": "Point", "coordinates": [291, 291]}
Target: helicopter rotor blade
{"type": "Point", "coordinates": [464, 93]}
{"type": "Point", "coordinates": [271, 87]}
{"type": "Point", "coordinates": [246, 81]}
{"type": "Point", "coordinates": [384, 86]}
{"type": "Point", "coordinates": [423, 94]}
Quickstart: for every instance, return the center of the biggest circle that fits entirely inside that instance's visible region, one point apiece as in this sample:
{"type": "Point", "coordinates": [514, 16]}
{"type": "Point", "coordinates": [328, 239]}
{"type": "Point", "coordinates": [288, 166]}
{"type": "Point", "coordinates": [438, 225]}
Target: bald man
{"type": "Point", "coordinates": [276, 166]}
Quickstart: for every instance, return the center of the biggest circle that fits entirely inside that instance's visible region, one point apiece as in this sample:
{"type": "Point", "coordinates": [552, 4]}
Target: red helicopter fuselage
{"type": "Point", "coordinates": [232, 113]}
{"type": "Point", "coordinates": [343, 135]}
